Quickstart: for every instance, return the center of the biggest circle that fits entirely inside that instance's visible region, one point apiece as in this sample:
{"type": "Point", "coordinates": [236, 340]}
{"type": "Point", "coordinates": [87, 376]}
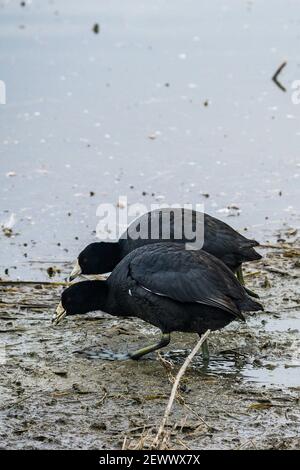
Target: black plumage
{"type": "Point", "coordinates": [168, 286]}
{"type": "Point", "coordinates": [169, 225]}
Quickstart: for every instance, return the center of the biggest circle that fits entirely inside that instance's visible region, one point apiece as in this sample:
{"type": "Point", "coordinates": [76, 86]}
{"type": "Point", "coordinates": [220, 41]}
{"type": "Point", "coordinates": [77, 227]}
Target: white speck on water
{"type": "Point", "coordinates": [182, 56]}
{"type": "Point", "coordinates": [10, 174]}
{"type": "Point", "coordinates": [10, 222]}
{"type": "Point", "coordinates": [42, 171]}
{"type": "Point", "coordinates": [37, 113]}
{"type": "Point", "coordinates": [230, 211]}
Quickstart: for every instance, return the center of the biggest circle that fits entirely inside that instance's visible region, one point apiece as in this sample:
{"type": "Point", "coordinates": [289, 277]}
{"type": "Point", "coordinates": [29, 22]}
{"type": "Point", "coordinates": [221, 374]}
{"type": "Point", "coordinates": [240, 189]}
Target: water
{"type": "Point", "coordinates": [81, 108]}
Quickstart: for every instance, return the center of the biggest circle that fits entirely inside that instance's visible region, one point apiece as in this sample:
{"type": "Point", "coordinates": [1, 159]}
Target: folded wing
{"type": "Point", "coordinates": [187, 276]}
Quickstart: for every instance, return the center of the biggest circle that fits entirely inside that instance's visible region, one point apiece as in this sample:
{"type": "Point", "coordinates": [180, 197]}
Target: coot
{"type": "Point", "coordinates": [167, 286]}
{"type": "Point", "coordinates": [178, 225]}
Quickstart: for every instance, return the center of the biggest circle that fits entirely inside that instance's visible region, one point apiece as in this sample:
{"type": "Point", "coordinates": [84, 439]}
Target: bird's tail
{"type": "Point", "coordinates": [249, 254]}
{"type": "Point", "coordinates": [250, 305]}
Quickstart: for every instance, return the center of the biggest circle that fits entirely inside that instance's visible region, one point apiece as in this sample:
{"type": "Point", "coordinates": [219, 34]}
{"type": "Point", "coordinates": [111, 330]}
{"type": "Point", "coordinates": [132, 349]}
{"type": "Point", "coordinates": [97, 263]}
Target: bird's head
{"type": "Point", "coordinates": [96, 258]}
{"type": "Point", "coordinates": [80, 298]}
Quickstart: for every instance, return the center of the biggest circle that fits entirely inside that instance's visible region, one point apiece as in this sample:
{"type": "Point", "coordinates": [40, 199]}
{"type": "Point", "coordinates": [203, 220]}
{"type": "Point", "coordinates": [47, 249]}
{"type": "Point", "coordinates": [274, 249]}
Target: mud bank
{"type": "Point", "coordinates": [247, 398]}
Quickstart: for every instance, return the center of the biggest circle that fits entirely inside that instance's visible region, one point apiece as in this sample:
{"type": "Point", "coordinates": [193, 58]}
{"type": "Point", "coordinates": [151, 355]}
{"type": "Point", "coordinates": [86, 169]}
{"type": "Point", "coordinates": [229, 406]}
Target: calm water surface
{"type": "Point", "coordinates": [168, 102]}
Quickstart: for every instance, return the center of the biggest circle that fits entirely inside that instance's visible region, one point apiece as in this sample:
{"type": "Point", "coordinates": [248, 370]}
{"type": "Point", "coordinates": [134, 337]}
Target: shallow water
{"type": "Point", "coordinates": [81, 108]}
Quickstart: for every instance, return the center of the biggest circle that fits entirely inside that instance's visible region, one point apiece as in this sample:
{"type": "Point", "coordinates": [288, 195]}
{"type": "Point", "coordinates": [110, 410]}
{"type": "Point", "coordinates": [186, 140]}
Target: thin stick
{"type": "Point", "coordinates": [279, 246]}
{"type": "Point", "coordinates": [176, 383]}
{"type": "Point", "coordinates": [41, 283]}
{"type": "Point", "coordinates": [252, 273]}
{"type": "Point", "coordinates": [275, 76]}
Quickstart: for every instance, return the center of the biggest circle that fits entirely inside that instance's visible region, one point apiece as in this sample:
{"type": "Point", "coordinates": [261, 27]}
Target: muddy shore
{"type": "Point", "coordinates": [247, 398]}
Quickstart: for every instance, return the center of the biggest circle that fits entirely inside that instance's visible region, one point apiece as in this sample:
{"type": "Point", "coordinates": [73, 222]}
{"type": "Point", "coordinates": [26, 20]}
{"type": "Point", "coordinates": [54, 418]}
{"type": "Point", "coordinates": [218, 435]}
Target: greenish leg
{"type": "Point", "coordinates": [164, 341]}
{"type": "Point", "coordinates": [205, 351]}
{"type": "Point", "coordinates": [240, 277]}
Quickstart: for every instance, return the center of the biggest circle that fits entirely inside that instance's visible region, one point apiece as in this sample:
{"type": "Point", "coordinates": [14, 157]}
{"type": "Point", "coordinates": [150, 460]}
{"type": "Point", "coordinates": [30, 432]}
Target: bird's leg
{"type": "Point", "coordinates": [240, 277]}
{"type": "Point", "coordinates": [205, 351]}
{"type": "Point", "coordinates": [164, 341]}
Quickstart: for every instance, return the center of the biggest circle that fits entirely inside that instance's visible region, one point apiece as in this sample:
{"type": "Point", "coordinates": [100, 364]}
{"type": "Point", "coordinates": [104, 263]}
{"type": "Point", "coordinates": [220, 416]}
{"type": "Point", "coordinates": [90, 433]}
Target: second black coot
{"type": "Point", "coordinates": [167, 286]}
{"type": "Point", "coordinates": [171, 225]}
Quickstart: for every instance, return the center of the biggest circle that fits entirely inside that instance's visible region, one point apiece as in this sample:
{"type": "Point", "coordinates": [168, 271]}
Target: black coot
{"type": "Point", "coordinates": [168, 286]}
{"type": "Point", "coordinates": [171, 225]}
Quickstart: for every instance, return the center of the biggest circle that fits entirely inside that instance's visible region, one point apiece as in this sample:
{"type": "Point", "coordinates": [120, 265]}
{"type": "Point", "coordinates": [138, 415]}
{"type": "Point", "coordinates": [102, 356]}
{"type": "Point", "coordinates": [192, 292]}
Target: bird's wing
{"type": "Point", "coordinates": [186, 276]}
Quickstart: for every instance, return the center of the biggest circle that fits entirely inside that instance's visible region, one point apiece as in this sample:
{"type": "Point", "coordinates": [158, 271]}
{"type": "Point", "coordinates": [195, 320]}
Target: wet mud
{"type": "Point", "coordinates": [247, 397]}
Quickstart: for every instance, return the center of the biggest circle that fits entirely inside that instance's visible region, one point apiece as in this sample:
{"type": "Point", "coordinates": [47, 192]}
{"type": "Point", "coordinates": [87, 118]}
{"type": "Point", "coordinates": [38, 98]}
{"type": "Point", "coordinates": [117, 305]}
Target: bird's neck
{"type": "Point", "coordinates": [99, 296]}
{"type": "Point", "coordinates": [115, 256]}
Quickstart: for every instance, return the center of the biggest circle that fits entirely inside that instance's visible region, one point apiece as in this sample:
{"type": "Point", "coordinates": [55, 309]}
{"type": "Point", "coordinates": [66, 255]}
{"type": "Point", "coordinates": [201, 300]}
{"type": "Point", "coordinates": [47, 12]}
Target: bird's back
{"type": "Point", "coordinates": [199, 230]}
{"type": "Point", "coordinates": [177, 289]}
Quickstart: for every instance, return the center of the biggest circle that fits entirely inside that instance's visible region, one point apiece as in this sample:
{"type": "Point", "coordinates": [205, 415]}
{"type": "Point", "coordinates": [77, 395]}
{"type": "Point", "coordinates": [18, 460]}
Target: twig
{"type": "Point", "coordinates": [252, 273]}
{"type": "Point", "coordinates": [11, 405]}
{"type": "Point", "coordinates": [278, 246]}
{"type": "Point", "coordinates": [274, 78]}
{"type": "Point", "coordinates": [277, 271]}
{"type": "Point", "coordinates": [169, 366]}
{"type": "Point", "coordinates": [21, 305]}
{"type": "Point", "coordinates": [124, 443]}
{"type": "Point", "coordinates": [41, 283]}
{"type": "Point", "coordinates": [176, 384]}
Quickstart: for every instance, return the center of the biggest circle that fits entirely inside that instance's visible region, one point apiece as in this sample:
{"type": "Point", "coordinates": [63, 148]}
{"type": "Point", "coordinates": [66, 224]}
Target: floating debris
{"type": "Point", "coordinates": [276, 74]}
{"type": "Point", "coordinates": [7, 227]}
{"type": "Point", "coordinates": [96, 28]}
{"type": "Point", "coordinates": [52, 271]}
